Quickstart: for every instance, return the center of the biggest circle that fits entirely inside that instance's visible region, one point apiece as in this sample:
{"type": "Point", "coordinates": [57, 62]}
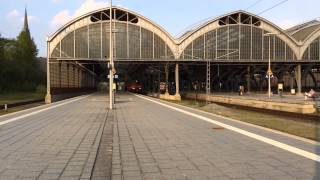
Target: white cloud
{"type": "Point", "coordinates": [61, 18]}
{"type": "Point", "coordinates": [64, 16]}
{"type": "Point", "coordinates": [90, 5]}
{"type": "Point", "coordinates": [55, 1]}
{"type": "Point", "coordinates": [13, 13]}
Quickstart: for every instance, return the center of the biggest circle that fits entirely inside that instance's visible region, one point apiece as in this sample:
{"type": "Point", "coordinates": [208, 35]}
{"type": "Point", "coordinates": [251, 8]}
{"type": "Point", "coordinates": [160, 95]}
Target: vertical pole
{"type": "Point", "coordinates": [248, 80]}
{"type": "Point", "coordinates": [219, 79]}
{"type": "Point", "coordinates": [48, 95]}
{"type": "Point", "coordinates": [208, 75]}
{"type": "Point", "coordinates": [153, 84]}
{"type": "Point", "coordinates": [291, 80]}
{"type": "Point", "coordinates": [88, 39]}
{"type": "Point", "coordinates": [251, 54]}
{"type": "Point", "coordinates": [68, 78]}
{"type": "Point", "coordinates": [269, 69]}
{"type": "Point", "coordinates": [101, 40]}
{"type": "Point", "coordinates": [127, 33]}
{"type": "Point", "coordinates": [152, 45]}
{"type": "Point", "coordinates": [166, 69]}
{"type": "Point", "coordinates": [262, 45]}
{"type": "Point", "coordinates": [93, 77]}
{"type": "Point", "coordinates": [177, 82]}
{"type": "Point", "coordinates": [60, 83]}
{"type": "Point", "coordinates": [140, 43]}
{"type": "Point", "coordinates": [60, 49]}
{"type": "Point", "coordinates": [208, 81]}
{"type": "Point", "coordinates": [298, 78]}
{"type": "Point", "coordinates": [79, 78]}
{"type": "Point", "coordinates": [111, 61]}
{"type": "Point", "coordinates": [159, 92]}
{"type": "Point", "coordinates": [74, 44]}
{"type": "Point", "coordinates": [239, 40]}
{"type": "Point", "coordinates": [74, 75]}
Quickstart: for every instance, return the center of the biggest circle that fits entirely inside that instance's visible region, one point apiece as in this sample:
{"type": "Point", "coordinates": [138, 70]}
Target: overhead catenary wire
{"type": "Point", "coordinates": [272, 7]}
{"type": "Point", "coordinates": [254, 4]}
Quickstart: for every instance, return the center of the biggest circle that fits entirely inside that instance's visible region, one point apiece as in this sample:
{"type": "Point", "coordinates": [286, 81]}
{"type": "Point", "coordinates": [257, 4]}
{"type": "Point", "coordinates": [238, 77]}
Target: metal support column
{"type": "Point", "coordinates": [74, 76]}
{"type": "Point", "coordinates": [248, 77]}
{"type": "Point", "coordinates": [159, 79]}
{"type": "Point", "coordinates": [48, 95]}
{"type": "Point", "coordinates": [68, 73]}
{"type": "Point", "coordinates": [60, 79]}
{"type": "Point", "coordinates": [153, 84]}
{"type": "Point", "coordinates": [208, 81]}
{"type": "Point", "coordinates": [79, 82]}
{"type": "Point", "coordinates": [111, 65]}
{"type": "Point", "coordinates": [177, 82]}
{"type": "Point", "coordinates": [298, 79]}
{"type": "Point", "coordinates": [93, 77]}
{"type": "Point", "coordinates": [166, 70]}
{"type": "Point", "coordinates": [291, 81]}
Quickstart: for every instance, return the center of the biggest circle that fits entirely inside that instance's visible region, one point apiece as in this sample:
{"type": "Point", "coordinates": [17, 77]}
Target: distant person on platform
{"type": "Point", "coordinates": [311, 94]}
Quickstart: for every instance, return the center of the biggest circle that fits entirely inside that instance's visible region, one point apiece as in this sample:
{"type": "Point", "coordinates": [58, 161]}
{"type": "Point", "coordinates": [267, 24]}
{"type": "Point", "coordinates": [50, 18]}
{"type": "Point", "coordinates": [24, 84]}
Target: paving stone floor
{"type": "Point", "coordinates": [140, 140]}
{"type": "Point", "coordinates": [154, 142]}
{"type": "Point", "coordinates": [60, 143]}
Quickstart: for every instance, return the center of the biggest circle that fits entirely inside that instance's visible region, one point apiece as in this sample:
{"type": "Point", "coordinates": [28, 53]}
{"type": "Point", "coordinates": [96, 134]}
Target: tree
{"type": "Point", "coordinates": [19, 69]}
{"type": "Point", "coordinates": [27, 59]}
{"type": "Point", "coordinates": [26, 48]}
{"type": "Point", "coordinates": [1, 49]}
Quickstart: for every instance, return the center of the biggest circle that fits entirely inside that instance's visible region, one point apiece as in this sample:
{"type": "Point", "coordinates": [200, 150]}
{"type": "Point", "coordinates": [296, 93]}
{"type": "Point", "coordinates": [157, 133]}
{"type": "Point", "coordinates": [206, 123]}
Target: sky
{"type": "Point", "coordinates": [175, 16]}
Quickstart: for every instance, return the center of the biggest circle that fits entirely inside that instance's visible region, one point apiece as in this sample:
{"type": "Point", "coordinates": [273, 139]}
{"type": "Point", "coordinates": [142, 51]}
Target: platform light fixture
{"type": "Point", "coordinates": [269, 62]}
{"type": "Point", "coordinates": [111, 63]}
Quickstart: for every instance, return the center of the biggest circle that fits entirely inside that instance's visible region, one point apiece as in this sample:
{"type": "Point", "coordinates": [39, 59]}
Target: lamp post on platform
{"type": "Point", "coordinates": [111, 64]}
{"type": "Point", "coordinates": [269, 63]}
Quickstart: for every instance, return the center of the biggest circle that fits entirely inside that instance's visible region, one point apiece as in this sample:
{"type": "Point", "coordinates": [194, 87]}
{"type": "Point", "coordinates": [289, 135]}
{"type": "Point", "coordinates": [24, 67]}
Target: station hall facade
{"type": "Point", "coordinates": [237, 45]}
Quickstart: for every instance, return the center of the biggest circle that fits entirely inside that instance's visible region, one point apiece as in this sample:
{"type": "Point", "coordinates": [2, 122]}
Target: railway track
{"type": "Point", "coordinates": [17, 104]}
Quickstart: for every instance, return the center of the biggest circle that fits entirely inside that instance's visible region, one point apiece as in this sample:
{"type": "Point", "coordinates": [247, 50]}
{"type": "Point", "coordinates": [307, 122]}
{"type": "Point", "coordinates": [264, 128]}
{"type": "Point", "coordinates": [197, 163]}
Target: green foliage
{"type": "Point", "coordinates": [26, 48]}
{"type": "Point", "coordinates": [1, 49]}
{"type": "Point", "coordinates": [19, 68]}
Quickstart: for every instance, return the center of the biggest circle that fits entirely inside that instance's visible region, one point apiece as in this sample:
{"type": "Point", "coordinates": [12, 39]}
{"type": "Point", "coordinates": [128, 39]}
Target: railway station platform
{"type": "Point", "coordinates": [145, 138]}
{"type": "Point", "coordinates": [286, 103]}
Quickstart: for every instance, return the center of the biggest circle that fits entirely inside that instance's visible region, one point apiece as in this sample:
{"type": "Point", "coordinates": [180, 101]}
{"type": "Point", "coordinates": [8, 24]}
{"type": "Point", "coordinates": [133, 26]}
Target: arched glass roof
{"type": "Point", "coordinates": [303, 31]}
{"type": "Point", "coordinates": [294, 38]}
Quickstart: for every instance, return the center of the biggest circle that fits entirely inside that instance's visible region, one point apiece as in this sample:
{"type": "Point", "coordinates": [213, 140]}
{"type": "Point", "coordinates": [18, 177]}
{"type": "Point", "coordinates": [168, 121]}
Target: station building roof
{"type": "Point", "coordinates": [302, 31]}
{"type": "Point", "coordinates": [296, 37]}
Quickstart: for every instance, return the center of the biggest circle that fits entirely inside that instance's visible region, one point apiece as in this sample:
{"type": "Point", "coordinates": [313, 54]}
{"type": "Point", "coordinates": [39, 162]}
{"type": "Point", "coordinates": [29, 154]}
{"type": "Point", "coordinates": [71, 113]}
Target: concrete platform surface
{"type": "Point", "coordinates": [286, 103]}
{"type": "Point", "coordinates": [144, 139]}
{"type": "Point", "coordinates": [286, 98]}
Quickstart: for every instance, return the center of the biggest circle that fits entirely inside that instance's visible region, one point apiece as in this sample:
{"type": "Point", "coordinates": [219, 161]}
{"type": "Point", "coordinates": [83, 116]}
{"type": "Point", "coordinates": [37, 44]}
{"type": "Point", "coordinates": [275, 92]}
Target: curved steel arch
{"type": "Point", "coordinates": [84, 20]}
{"type": "Point", "coordinates": [309, 40]}
{"type": "Point", "coordinates": [213, 24]}
{"type": "Point", "coordinates": [177, 46]}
